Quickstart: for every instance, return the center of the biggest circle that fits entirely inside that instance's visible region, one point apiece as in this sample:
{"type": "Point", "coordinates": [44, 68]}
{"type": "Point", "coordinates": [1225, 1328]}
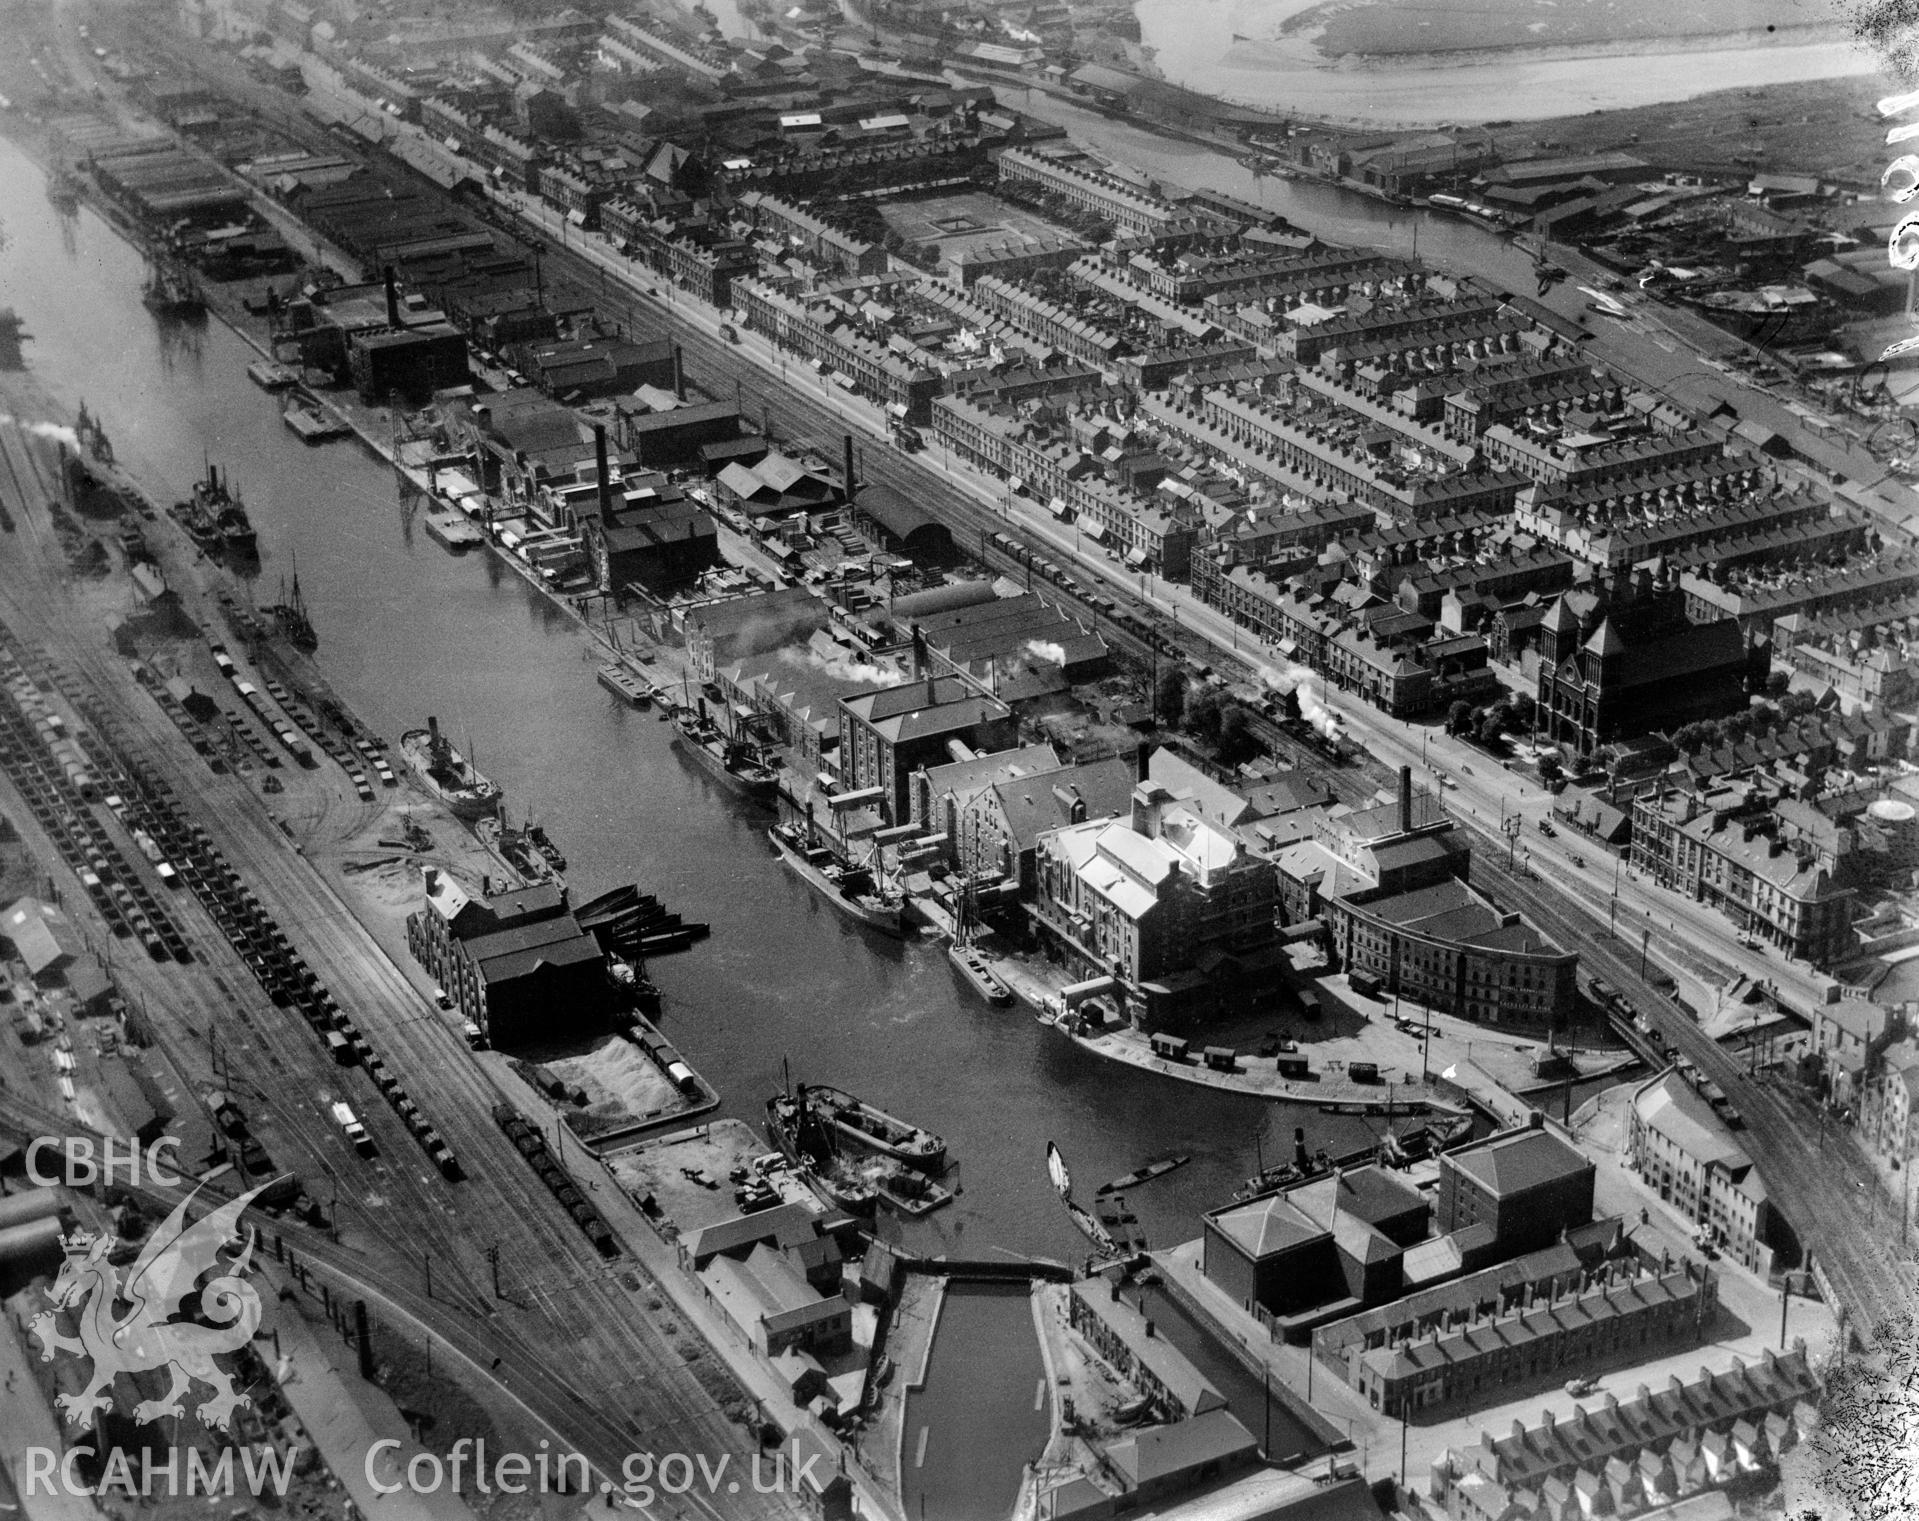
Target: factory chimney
{"type": "Point", "coordinates": [679, 374]}
{"type": "Point", "coordinates": [1405, 799]}
{"type": "Point", "coordinates": [392, 299]}
{"type": "Point", "coordinates": [850, 483]}
{"type": "Point", "coordinates": [603, 475]}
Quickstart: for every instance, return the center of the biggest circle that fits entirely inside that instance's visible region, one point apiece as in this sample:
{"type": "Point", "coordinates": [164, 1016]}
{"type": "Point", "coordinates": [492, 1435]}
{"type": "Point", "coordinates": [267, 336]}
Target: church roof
{"type": "Point", "coordinates": [1606, 640]}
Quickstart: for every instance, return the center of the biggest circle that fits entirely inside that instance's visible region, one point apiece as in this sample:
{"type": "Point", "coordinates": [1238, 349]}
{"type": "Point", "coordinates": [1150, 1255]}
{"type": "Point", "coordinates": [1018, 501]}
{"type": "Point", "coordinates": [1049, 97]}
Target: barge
{"type": "Point", "coordinates": [271, 375]}
{"type": "Point", "coordinates": [624, 685]}
{"type": "Point", "coordinates": [873, 1129]}
{"type": "Point", "coordinates": [305, 417]}
{"type": "Point", "coordinates": [979, 974]}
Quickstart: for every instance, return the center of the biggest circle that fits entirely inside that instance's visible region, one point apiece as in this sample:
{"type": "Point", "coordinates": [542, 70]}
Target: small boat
{"type": "Point", "coordinates": [624, 685]}
{"type": "Point", "coordinates": [271, 375]}
{"type": "Point", "coordinates": [979, 972]}
{"type": "Point", "coordinates": [446, 774]}
{"type": "Point", "coordinates": [740, 767]}
{"type": "Point", "coordinates": [1090, 1227]}
{"type": "Point", "coordinates": [873, 1129]}
{"type": "Point", "coordinates": [853, 890]}
{"type": "Point", "coordinates": [1143, 1175]}
{"type": "Point", "coordinates": [304, 416]}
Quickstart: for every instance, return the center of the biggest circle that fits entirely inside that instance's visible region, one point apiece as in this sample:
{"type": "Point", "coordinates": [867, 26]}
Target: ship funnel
{"type": "Point", "coordinates": [392, 299]}
{"type": "Point", "coordinates": [604, 475]}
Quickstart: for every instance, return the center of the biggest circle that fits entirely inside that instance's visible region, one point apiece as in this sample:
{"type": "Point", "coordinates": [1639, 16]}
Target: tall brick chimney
{"type": "Point", "coordinates": [392, 299]}
{"type": "Point", "coordinates": [1405, 799]}
{"type": "Point", "coordinates": [603, 475]}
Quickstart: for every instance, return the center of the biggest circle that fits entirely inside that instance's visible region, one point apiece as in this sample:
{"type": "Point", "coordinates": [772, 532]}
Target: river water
{"type": "Point", "coordinates": [407, 630]}
{"type": "Point", "coordinates": [1233, 50]}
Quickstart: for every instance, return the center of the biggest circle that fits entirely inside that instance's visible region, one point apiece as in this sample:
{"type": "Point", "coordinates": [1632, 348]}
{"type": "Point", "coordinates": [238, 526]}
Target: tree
{"type": "Point", "coordinates": [1235, 733]}
{"type": "Point", "coordinates": [1492, 733]}
{"type": "Point", "coordinates": [1550, 769]}
{"type": "Point", "coordinates": [1459, 717]}
{"type": "Point", "coordinates": [1777, 683]}
{"type": "Point", "coordinates": [1525, 711]}
{"type": "Point", "coordinates": [1692, 737]}
{"type": "Point", "coordinates": [1205, 710]}
{"type": "Point", "coordinates": [1169, 697]}
{"type": "Point", "coordinates": [1797, 704]}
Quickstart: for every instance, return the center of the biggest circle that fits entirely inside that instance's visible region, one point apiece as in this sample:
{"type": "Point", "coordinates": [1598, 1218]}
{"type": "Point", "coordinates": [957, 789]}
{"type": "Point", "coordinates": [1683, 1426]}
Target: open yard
{"type": "Point", "coordinates": [958, 224]}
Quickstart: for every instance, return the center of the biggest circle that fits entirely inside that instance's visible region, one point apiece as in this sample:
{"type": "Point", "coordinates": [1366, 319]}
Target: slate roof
{"type": "Point", "coordinates": [1518, 1161]}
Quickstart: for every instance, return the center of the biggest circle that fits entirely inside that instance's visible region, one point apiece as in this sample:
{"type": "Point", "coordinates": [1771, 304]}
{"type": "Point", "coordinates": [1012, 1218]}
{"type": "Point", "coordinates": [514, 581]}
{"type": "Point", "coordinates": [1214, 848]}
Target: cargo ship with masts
{"type": "Point", "coordinates": [801, 1133]}
{"type": "Point", "coordinates": [171, 289]}
{"type": "Point", "coordinates": [448, 775]}
{"type": "Point", "coordinates": [967, 958]}
{"type": "Point", "coordinates": [739, 765]}
{"type": "Point", "coordinates": [859, 892]}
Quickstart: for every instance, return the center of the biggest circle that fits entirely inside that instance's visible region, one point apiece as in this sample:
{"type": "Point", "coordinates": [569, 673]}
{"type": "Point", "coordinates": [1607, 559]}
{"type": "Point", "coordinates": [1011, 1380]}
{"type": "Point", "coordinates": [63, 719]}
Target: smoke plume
{"type": "Point", "coordinates": [1046, 650]}
{"type": "Point", "coordinates": [840, 668]}
{"type": "Point", "coordinates": [1298, 679]}
{"type": "Point", "coordinates": [59, 432]}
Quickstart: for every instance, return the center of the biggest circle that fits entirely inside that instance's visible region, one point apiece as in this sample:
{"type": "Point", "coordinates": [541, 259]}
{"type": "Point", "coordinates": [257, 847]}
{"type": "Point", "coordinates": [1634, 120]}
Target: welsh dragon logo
{"type": "Point", "coordinates": [164, 1278]}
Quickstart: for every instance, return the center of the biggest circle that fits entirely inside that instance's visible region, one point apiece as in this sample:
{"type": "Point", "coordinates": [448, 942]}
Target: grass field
{"type": "Point", "coordinates": [1822, 127]}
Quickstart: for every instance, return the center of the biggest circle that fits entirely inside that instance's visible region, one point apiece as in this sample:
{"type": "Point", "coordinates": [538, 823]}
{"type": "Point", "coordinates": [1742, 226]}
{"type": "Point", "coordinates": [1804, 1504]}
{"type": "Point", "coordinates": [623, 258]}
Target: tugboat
{"type": "Point", "coordinates": [537, 837]}
{"type": "Point", "coordinates": [216, 519]}
{"type": "Point", "coordinates": [873, 1129]}
{"type": "Point", "coordinates": [447, 775]}
{"type": "Point", "coordinates": [854, 890]}
{"type": "Point", "coordinates": [739, 766]}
